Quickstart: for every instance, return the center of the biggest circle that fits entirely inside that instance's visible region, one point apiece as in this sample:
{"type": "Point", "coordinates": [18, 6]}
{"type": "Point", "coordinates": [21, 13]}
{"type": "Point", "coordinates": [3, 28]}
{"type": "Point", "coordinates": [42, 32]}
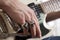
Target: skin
{"type": "Point", "coordinates": [20, 13]}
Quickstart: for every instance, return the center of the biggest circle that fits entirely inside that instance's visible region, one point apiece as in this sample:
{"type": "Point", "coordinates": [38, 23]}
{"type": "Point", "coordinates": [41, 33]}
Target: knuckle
{"type": "Point", "coordinates": [28, 18]}
{"type": "Point", "coordinates": [22, 22]}
{"type": "Point", "coordinates": [32, 10]}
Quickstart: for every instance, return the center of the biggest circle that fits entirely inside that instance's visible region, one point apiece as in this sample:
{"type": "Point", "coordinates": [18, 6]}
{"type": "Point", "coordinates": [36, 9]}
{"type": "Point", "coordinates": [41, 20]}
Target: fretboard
{"type": "Point", "coordinates": [51, 6]}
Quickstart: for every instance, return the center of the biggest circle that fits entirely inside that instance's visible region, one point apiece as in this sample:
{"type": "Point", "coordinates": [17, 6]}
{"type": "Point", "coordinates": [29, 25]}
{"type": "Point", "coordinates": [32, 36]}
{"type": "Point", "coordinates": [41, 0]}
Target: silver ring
{"type": "Point", "coordinates": [28, 24]}
{"type": "Point", "coordinates": [31, 23]}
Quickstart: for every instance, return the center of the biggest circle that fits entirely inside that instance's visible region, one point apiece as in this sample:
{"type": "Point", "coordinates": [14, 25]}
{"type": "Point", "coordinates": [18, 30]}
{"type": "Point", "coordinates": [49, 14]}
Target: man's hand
{"type": "Point", "coordinates": [21, 13]}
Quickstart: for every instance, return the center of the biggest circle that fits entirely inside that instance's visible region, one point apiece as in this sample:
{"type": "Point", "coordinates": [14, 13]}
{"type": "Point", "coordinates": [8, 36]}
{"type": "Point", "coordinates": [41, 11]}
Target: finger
{"type": "Point", "coordinates": [38, 32]}
{"type": "Point", "coordinates": [33, 30]}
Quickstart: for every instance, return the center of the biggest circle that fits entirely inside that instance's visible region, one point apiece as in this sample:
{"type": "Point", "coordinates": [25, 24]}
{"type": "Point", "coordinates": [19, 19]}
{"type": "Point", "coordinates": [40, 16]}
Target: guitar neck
{"type": "Point", "coordinates": [51, 6]}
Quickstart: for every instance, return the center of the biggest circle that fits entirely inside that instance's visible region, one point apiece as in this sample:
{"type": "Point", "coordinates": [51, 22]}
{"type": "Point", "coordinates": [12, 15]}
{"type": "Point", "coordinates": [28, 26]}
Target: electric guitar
{"type": "Point", "coordinates": [45, 7]}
